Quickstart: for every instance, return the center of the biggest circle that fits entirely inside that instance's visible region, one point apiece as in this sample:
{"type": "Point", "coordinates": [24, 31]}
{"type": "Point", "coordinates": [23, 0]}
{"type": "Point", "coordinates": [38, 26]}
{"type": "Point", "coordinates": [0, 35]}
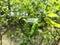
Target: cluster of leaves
{"type": "Point", "coordinates": [26, 19]}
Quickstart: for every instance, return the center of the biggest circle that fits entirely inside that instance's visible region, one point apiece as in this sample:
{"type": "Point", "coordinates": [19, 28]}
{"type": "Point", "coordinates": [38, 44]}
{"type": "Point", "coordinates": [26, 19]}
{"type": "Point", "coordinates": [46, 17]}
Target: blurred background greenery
{"type": "Point", "coordinates": [30, 22]}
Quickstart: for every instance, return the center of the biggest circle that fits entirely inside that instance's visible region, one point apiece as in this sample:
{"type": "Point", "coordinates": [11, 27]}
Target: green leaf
{"type": "Point", "coordinates": [51, 22]}
{"type": "Point", "coordinates": [53, 15]}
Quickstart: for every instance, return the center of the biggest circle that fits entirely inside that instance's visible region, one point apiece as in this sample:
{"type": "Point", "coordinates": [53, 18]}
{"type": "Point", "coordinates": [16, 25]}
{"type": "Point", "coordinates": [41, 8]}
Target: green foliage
{"type": "Point", "coordinates": [52, 23]}
{"type": "Point", "coordinates": [31, 19]}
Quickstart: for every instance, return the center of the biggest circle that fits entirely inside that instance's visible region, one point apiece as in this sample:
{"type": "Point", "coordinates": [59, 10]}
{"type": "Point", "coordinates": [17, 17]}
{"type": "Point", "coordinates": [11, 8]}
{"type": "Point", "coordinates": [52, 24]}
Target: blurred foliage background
{"type": "Point", "coordinates": [31, 22]}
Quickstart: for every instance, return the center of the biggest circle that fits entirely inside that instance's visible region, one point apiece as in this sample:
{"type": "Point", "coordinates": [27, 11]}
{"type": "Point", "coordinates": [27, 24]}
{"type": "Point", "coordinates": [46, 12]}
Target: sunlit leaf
{"type": "Point", "coordinates": [53, 15]}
